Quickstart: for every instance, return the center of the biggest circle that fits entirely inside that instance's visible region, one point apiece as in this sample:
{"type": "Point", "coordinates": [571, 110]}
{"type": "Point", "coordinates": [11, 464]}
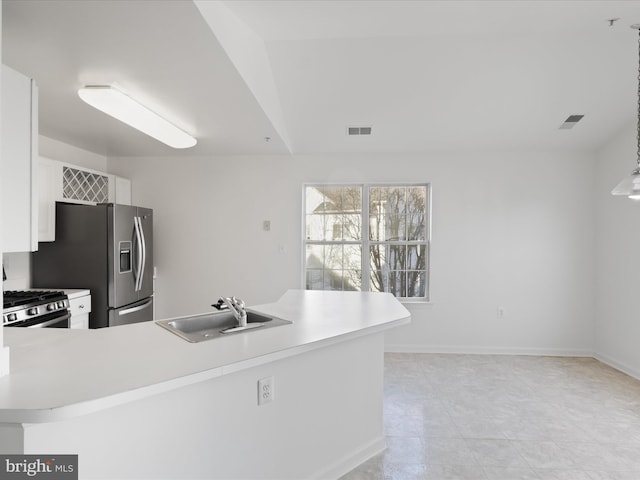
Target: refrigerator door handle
{"type": "Point", "coordinates": [143, 242]}
{"type": "Point", "coordinates": [138, 274]}
{"type": "Point", "coordinates": [136, 308]}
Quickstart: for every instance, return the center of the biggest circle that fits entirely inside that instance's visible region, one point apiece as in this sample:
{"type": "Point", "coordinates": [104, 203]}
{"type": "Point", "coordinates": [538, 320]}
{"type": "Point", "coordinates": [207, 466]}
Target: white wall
{"type": "Point", "coordinates": [618, 259]}
{"type": "Point", "coordinates": [509, 230]}
{"type": "Point", "coordinates": [63, 152]}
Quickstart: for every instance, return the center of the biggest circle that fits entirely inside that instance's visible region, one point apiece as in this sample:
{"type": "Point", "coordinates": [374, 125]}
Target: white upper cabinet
{"type": "Point", "coordinates": [123, 191]}
{"type": "Point", "coordinates": [47, 192]}
{"type": "Point", "coordinates": [64, 182]}
{"type": "Point", "coordinates": [19, 109]}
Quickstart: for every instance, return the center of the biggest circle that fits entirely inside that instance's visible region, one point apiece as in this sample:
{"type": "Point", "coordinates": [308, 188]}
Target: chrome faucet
{"type": "Point", "coordinates": [237, 308]}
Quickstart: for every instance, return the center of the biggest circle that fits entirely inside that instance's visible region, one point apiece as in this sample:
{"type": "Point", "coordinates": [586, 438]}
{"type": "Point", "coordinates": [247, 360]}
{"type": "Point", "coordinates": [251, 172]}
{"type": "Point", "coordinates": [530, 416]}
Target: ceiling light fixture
{"type": "Point", "coordinates": [630, 186]}
{"type": "Point", "coordinates": [122, 107]}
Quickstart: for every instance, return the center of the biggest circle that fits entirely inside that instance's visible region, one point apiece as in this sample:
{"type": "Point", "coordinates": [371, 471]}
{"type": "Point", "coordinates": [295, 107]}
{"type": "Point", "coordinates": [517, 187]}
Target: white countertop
{"type": "Point", "coordinates": [76, 292]}
{"type": "Point", "coordinates": [62, 373]}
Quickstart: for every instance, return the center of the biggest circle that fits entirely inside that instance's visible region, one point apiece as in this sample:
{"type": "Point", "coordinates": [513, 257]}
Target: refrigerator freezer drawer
{"type": "Point", "coordinates": [141, 311]}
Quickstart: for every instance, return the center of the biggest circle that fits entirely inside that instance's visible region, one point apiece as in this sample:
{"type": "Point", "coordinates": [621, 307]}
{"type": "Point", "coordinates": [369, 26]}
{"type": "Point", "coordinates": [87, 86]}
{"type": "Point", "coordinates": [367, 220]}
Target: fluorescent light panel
{"type": "Point", "coordinates": [122, 107]}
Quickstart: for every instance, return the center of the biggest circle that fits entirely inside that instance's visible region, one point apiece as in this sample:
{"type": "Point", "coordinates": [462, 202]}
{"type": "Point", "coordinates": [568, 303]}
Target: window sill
{"type": "Point", "coordinates": [408, 301]}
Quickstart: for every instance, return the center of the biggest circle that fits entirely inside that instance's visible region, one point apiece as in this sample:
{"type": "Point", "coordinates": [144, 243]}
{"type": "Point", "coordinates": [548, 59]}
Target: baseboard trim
{"type": "Point", "coordinates": [351, 461]}
{"type": "Point", "coordinates": [475, 350]}
{"type": "Point", "coordinates": [544, 352]}
{"type": "Point", "coordinates": [621, 366]}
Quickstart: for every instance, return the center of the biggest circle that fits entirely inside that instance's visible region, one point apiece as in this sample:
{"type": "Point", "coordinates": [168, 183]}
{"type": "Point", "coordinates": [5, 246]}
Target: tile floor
{"type": "Point", "coordinates": [486, 417]}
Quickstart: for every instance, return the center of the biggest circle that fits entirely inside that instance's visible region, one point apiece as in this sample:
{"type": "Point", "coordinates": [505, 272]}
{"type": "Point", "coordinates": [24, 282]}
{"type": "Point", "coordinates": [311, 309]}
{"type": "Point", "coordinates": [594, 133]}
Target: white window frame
{"type": "Point", "coordinates": [365, 242]}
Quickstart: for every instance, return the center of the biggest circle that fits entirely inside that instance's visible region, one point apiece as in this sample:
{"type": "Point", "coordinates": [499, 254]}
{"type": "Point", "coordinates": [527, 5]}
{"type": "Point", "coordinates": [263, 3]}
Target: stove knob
{"type": "Point", "coordinates": [12, 317]}
{"type": "Point", "coordinates": [61, 304]}
{"type": "Point", "coordinates": [33, 311]}
{"type": "Point", "coordinates": [51, 307]}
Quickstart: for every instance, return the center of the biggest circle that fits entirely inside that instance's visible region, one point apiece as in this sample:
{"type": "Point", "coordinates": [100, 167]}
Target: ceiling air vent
{"type": "Point", "coordinates": [358, 130]}
{"type": "Point", "coordinates": [570, 122]}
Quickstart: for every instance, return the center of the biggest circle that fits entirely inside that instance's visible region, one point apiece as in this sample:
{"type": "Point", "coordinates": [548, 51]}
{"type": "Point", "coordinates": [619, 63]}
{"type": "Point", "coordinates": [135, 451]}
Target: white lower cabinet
{"type": "Point", "coordinates": [80, 307]}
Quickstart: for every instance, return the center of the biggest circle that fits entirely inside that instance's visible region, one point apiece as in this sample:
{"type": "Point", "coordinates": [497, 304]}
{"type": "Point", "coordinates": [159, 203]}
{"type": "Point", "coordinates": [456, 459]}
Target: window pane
{"type": "Point", "coordinates": [395, 221]}
{"type": "Point", "coordinates": [387, 218]}
{"type": "Point", "coordinates": [334, 267]}
{"type": "Point", "coordinates": [393, 281]}
{"type": "Point", "coordinates": [377, 259]}
{"type": "Point", "coordinates": [333, 199]}
{"type": "Point", "coordinates": [313, 199]}
{"type": "Point", "coordinates": [397, 283]}
{"type": "Point", "coordinates": [315, 227]}
{"type": "Point", "coordinates": [314, 264]}
{"type": "Point", "coordinates": [351, 208]}
{"type": "Point", "coordinates": [333, 256]}
{"type": "Point", "coordinates": [397, 213]}
{"type": "Point", "coordinates": [376, 214]}
{"type": "Point", "coordinates": [397, 257]}
{"type": "Point", "coordinates": [416, 283]}
{"type": "Point", "coordinates": [333, 280]}
{"type": "Point", "coordinates": [416, 257]}
{"type": "Point", "coordinates": [416, 213]}
{"type": "Point", "coordinates": [353, 267]}
{"type": "Point", "coordinates": [352, 227]}
{"type": "Point", "coordinates": [387, 262]}
{"type": "Point", "coordinates": [315, 279]}
{"type": "Point", "coordinates": [315, 206]}
{"type": "Point", "coordinates": [399, 269]}
{"type": "Point", "coordinates": [333, 213]}
{"type": "Point", "coordinates": [352, 280]}
{"type": "Point", "coordinates": [377, 281]}
{"type": "Point", "coordinates": [315, 256]}
{"type": "Point", "coordinates": [352, 199]}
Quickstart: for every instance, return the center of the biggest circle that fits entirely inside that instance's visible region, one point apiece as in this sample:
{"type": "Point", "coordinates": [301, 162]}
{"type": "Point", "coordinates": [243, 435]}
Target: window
{"type": "Point", "coordinates": [367, 238]}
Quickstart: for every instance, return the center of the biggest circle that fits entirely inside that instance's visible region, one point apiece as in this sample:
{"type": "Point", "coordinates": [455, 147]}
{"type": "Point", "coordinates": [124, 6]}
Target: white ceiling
{"type": "Point", "coordinates": [426, 75]}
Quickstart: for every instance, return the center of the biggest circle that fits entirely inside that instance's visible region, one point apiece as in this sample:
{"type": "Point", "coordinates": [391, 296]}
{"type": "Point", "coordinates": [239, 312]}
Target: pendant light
{"type": "Point", "coordinates": [630, 186]}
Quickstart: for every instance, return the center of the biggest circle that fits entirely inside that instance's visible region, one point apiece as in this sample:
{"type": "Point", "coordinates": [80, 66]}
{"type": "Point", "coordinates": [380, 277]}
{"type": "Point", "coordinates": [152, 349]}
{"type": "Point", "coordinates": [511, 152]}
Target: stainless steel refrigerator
{"type": "Point", "coordinates": [107, 248]}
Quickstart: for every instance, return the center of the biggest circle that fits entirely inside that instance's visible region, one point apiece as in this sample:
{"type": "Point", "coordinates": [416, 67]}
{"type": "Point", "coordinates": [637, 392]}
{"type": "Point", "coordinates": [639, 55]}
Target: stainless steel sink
{"type": "Point", "coordinates": [198, 328]}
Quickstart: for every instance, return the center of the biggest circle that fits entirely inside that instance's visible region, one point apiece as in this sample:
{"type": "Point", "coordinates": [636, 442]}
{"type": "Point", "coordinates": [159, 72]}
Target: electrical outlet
{"type": "Point", "coordinates": [265, 390]}
{"type": "Point", "coordinates": [266, 225]}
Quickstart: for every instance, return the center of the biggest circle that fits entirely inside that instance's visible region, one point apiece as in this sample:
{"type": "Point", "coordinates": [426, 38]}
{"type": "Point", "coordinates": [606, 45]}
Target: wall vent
{"type": "Point", "coordinates": [358, 130]}
{"type": "Point", "coordinates": [570, 122]}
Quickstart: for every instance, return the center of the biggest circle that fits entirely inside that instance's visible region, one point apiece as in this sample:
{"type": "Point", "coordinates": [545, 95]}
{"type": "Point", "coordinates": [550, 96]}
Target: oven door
{"type": "Point", "coordinates": [58, 319]}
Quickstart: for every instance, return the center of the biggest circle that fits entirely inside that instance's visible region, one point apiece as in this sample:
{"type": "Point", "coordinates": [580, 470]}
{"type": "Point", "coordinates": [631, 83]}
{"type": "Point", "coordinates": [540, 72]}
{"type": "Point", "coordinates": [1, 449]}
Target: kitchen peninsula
{"type": "Point", "coordinates": [136, 401]}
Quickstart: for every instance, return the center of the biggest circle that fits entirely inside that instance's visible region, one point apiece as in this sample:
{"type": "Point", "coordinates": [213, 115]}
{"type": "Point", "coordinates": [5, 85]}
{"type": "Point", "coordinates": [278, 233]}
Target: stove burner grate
{"type": "Point", "coordinates": [15, 298]}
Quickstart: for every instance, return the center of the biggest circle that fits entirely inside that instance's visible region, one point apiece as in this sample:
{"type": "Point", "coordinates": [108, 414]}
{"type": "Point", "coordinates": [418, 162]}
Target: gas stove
{"type": "Point", "coordinates": [35, 308]}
